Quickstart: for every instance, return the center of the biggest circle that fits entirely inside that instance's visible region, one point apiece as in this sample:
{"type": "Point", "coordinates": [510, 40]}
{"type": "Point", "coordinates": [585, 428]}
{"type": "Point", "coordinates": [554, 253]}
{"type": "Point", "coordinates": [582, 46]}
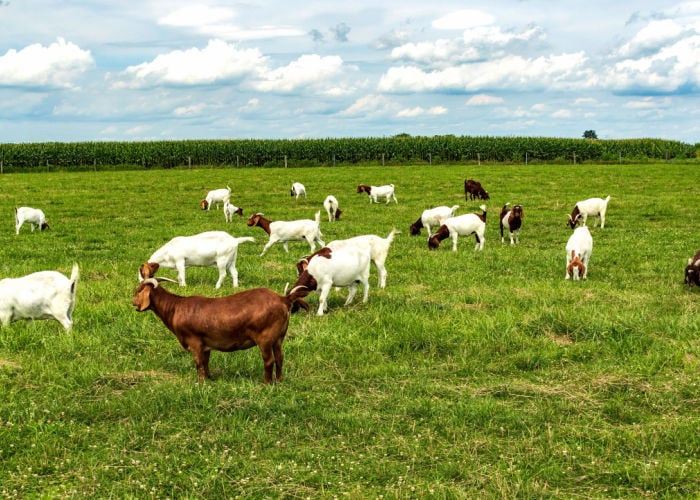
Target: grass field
{"type": "Point", "coordinates": [470, 374]}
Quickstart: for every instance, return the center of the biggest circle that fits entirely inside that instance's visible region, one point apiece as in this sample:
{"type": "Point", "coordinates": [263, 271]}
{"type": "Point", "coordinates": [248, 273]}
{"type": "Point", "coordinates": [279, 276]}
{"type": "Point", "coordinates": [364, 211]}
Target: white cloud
{"type": "Point", "coordinates": [418, 111]}
{"type": "Point", "coordinates": [366, 105]}
{"type": "Point", "coordinates": [484, 100]}
{"type": "Point", "coordinates": [309, 72]}
{"type": "Point", "coordinates": [652, 37]}
{"type": "Point", "coordinates": [463, 19]}
{"type": "Point", "coordinates": [562, 113]}
{"type": "Point", "coordinates": [59, 65]}
{"type": "Point", "coordinates": [217, 62]}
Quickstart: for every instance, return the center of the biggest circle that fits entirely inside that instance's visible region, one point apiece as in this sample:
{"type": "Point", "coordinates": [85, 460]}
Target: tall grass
{"type": "Point", "coordinates": [470, 374]}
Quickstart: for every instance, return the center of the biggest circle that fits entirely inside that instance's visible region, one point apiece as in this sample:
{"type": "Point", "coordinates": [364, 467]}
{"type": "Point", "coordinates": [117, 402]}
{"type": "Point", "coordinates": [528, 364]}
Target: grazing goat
{"type": "Point", "coordinates": [512, 218]}
{"type": "Point", "coordinates": [297, 190]}
{"type": "Point", "coordinates": [216, 196]}
{"type": "Point", "coordinates": [331, 206]}
{"type": "Point", "coordinates": [578, 253]}
{"type": "Point", "coordinates": [231, 210]}
{"type": "Point", "coordinates": [284, 231]}
{"type": "Point", "coordinates": [474, 190]}
{"type": "Point", "coordinates": [41, 295]}
{"type": "Point", "coordinates": [378, 250]}
{"type": "Point", "coordinates": [375, 192]}
{"type": "Point", "coordinates": [34, 216]}
{"type": "Point", "coordinates": [232, 323]}
{"type": "Point", "coordinates": [692, 271]}
{"type": "Point", "coordinates": [209, 249]}
{"type": "Point", "coordinates": [461, 225]}
{"type": "Point", "coordinates": [591, 207]}
{"type": "Point", "coordinates": [340, 267]}
{"type": "Point", "coordinates": [432, 217]}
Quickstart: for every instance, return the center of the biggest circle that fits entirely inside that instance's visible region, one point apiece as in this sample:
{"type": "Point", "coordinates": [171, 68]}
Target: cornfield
{"type": "Point", "coordinates": [309, 152]}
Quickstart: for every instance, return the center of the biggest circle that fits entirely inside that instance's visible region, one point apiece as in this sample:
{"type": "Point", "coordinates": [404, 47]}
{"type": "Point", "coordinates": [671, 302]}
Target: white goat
{"type": "Point", "coordinates": [297, 190]}
{"type": "Point", "coordinates": [209, 249]}
{"type": "Point", "coordinates": [230, 210]}
{"type": "Point", "coordinates": [216, 196]}
{"type": "Point", "coordinates": [34, 216]}
{"type": "Point", "coordinates": [461, 225]}
{"type": "Point", "coordinates": [591, 207]}
{"type": "Point", "coordinates": [432, 217]}
{"type": "Point", "coordinates": [578, 252]}
{"type": "Point", "coordinates": [42, 295]}
{"type": "Point", "coordinates": [284, 231]}
{"type": "Point", "coordinates": [378, 250]}
{"type": "Point", "coordinates": [331, 206]}
{"type": "Point", "coordinates": [375, 192]}
{"type": "Point", "coordinates": [341, 267]}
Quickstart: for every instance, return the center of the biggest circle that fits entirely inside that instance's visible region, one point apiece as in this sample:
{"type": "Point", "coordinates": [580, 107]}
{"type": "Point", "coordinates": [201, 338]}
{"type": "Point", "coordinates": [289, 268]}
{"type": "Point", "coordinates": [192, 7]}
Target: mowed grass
{"type": "Point", "coordinates": [470, 374]}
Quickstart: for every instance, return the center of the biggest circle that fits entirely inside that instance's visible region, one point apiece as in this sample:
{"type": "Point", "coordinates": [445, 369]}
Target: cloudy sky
{"type": "Point", "coordinates": [79, 70]}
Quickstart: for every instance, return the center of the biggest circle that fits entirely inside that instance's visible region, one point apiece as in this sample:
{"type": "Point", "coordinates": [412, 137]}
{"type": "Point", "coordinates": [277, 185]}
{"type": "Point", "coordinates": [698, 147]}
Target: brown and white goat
{"type": "Point", "coordinates": [692, 271]}
{"type": "Point", "coordinates": [461, 225]}
{"type": "Point", "coordinates": [231, 323]}
{"type": "Point", "coordinates": [474, 190]}
{"type": "Point", "coordinates": [374, 192]}
{"type": "Point", "coordinates": [512, 218]}
{"type": "Point", "coordinates": [592, 207]}
{"type": "Point", "coordinates": [284, 231]}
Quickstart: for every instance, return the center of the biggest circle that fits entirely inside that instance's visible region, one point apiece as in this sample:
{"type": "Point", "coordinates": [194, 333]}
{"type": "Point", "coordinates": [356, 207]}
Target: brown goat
{"type": "Point", "coordinates": [235, 322]}
{"type": "Point", "coordinates": [692, 271]}
{"type": "Point", "coordinates": [512, 218]}
{"type": "Point", "coordinates": [474, 190]}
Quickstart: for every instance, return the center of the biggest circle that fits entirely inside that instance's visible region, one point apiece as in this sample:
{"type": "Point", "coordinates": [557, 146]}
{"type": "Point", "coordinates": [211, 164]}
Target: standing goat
{"type": "Point", "coordinates": [578, 252]}
{"type": "Point", "coordinates": [284, 231]}
{"type": "Point", "coordinates": [33, 216]}
{"type": "Point", "coordinates": [232, 323]}
{"type": "Point", "coordinates": [375, 192]}
{"type": "Point", "coordinates": [41, 295]}
{"type": "Point", "coordinates": [474, 190]}
{"type": "Point", "coordinates": [593, 207]}
{"type": "Point", "coordinates": [378, 250]}
{"type": "Point", "coordinates": [512, 218]}
{"type": "Point", "coordinates": [331, 206]}
{"type": "Point", "coordinates": [231, 210]}
{"type": "Point", "coordinates": [297, 190]}
{"type": "Point", "coordinates": [692, 271]}
{"type": "Point", "coordinates": [216, 196]}
{"type": "Point", "coordinates": [342, 267]}
{"type": "Point", "coordinates": [461, 225]}
{"type": "Point", "coordinates": [432, 217]}
{"type": "Point", "coordinates": [209, 249]}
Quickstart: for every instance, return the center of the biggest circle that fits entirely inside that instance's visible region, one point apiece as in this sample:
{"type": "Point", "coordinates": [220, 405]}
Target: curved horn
{"type": "Point", "coordinates": [161, 278]}
{"type": "Point", "coordinates": [151, 281]}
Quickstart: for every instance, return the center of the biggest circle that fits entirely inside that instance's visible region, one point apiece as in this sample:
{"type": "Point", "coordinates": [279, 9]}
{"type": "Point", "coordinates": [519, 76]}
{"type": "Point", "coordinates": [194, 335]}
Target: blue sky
{"type": "Point", "coordinates": [74, 70]}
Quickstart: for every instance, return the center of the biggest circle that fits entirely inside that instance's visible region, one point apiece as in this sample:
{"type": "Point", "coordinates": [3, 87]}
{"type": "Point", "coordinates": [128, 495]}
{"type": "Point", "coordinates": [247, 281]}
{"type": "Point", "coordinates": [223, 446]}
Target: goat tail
{"type": "Point", "coordinates": [318, 217]}
{"type": "Point", "coordinates": [74, 275]}
{"type": "Point", "coordinates": [393, 233]}
{"type": "Point", "coordinates": [244, 239]}
{"type": "Point", "coordinates": [454, 209]}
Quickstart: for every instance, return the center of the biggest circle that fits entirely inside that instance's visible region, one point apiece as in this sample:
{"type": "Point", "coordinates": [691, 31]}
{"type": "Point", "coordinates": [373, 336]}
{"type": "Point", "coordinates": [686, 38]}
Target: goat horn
{"type": "Point", "coordinates": [151, 281]}
{"type": "Point", "coordinates": [161, 278]}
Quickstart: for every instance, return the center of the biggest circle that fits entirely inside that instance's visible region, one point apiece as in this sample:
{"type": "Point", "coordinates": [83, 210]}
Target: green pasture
{"type": "Point", "coordinates": [471, 374]}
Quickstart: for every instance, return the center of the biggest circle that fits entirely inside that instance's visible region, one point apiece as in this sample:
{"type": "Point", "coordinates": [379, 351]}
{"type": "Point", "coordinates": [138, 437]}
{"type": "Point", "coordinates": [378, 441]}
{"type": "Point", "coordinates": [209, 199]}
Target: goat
{"type": "Point", "coordinates": [591, 207]}
{"type": "Point", "coordinates": [231, 323]}
{"type": "Point", "coordinates": [230, 210]}
{"type": "Point", "coordinates": [375, 192]}
{"type": "Point", "coordinates": [331, 206]}
{"type": "Point", "coordinates": [297, 190]}
{"type": "Point", "coordinates": [209, 249]}
{"type": "Point", "coordinates": [284, 231]}
{"type": "Point", "coordinates": [340, 267]}
{"type": "Point", "coordinates": [512, 219]}
{"type": "Point", "coordinates": [461, 225]}
{"type": "Point", "coordinates": [474, 190]}
{"type": "Point", "coordinates": [378, 250]}
{"type": "Point", "coordinates": [40, 295]}
{"type": "Point", "coordinates": [432, 217]}
{"type": "Point", "coordinates": [578, 253]}
{"type": "Point", "coordinates": [216, 196]}
{"type": "Point", "coordinates": [692, 271]}
{"type": "Point", "coordinates": [34, 216]}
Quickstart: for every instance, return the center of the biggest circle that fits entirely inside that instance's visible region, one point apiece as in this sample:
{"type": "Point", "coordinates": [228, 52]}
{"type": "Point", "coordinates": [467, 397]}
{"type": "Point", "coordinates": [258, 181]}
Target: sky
{"type": "Point", "coordinates": [98, 70]}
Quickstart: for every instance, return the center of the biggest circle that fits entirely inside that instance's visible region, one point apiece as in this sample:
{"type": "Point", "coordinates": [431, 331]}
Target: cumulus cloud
{"type": "Point", "coordinates": [340, 32]}
{"type": "Point", "coordinates": [463, 19]}
{"type": "Point", "coordinates": [217, 62]}
{"type": "Point", "coordinates": [484, 100]}
{"type": "Point", "coordinates": [418, 111]}
{"type": "Point", "coordinates": [367, 105]}
{"type": "Point", "coordinates": [309, 72]}
{"type": "Point", "coordinates": [59, 65]}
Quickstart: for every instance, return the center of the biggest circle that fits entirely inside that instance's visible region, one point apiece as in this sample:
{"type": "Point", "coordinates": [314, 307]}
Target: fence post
{"type": "Point", "coordinates": [189, 162]}
{"type": "Point", "coordinates": [430, 159]}
{"type": "Point", "coordinates": [478, 159]}
{"type": "Point", "coordinates": [285, 161]}
{"type": "Point", "coordinates": [382, 159]}
{"type": "Point", "coordinates": [525, 157]}
{"type": "Point", "coordinates": [1, 166]}
{"type": "Point", "coordinates": [574, 157]}
{"type": "Point", "coordinates": [237, 164]}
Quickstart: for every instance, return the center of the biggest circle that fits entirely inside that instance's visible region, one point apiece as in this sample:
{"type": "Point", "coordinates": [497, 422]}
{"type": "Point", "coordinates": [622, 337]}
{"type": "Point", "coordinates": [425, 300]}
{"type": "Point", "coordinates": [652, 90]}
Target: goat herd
{"type": "Point", "coordinates": [260, 316]}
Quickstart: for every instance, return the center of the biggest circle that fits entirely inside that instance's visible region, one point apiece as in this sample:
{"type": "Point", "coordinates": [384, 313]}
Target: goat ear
{"type": "Point", "coordinates": [697, 263]}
